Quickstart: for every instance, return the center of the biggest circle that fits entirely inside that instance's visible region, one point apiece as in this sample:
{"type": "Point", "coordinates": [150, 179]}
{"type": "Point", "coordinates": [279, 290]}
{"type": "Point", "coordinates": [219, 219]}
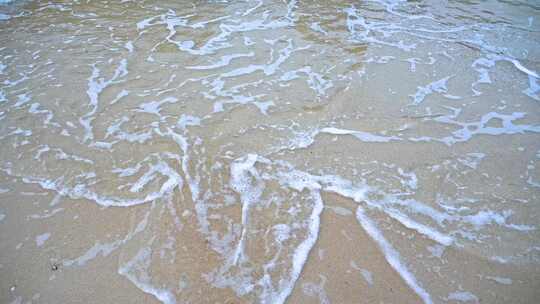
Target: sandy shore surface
{"type": "Point", "coordinates": [269, 152]}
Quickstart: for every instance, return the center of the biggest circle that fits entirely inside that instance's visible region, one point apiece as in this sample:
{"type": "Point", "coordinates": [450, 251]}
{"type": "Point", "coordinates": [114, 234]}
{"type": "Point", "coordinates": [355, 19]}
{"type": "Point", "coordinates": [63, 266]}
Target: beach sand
{"type": "Point", "coordinates": [269, 152]}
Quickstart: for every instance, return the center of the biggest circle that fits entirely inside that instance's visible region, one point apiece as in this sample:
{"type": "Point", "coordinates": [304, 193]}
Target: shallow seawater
{"type": "Point", "coordinates": [269, 151]}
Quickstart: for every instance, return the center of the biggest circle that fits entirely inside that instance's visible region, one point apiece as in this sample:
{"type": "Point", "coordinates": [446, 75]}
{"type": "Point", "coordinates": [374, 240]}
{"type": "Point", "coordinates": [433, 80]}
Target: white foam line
{"type": "Point", "coordinates": [435, 235]}
{"type": "Point", "coordinates": [80, 191]}
{"type": "Point", "coordinates": [363, 136]}
{"type": "Point", "coordinates": [315, 80]}
{"type": "Point", "coordinates": [462, 296]}
{"type": "Point", "coordinates": [42, 238]}
{"type": "Point", "coordinates": [154, 107]}
{"type": "Point", "coordinates": [224, 61]}
{"type": "Point", "coordinates": [355, 19]}
{"type": "Point", "coordinates": [4, 16]}
{"type": "Point", "coordinates": [500, 280]}
{"type": "Point", "coordinates": [129, 46]}
{"type": "Point", "coordinates": [438, 86]}
{"type": "Point", "coordinates": [182, 142]}
{"type": "Point", "coordinates": [391, 255]}
{"type": "Point", "coordinates": [250, 10]}
{"type": "Point", "coordinates": [99, 248]}
{"type": "Point", "coordinates": [520, 67]}
{"type": "Point", "coordinates": [301, 253]}
{"type": "Point", "coordinates": [243, 172]}
{"type": "Point", "coordinates": [105, 249]}
{"type": "Point", "coordinates": [138, 262]}
{"type": "Point", "coordinates": [119, 96]}
{"type": "Point", "coordinates": [203, 24]}
{"type": "Point", "coordinates": [96, 85]}
{"type": "Point", "coordinates": [220, 41]}
{"type": "Point", "coordinates": [533, 89]}
{"type": "Point", "coordinates": [240, 182]}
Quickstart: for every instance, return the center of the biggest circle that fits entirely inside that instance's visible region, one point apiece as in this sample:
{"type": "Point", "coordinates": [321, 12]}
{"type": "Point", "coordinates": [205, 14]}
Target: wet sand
{"type": "Point", "coordinates": [269, 152]}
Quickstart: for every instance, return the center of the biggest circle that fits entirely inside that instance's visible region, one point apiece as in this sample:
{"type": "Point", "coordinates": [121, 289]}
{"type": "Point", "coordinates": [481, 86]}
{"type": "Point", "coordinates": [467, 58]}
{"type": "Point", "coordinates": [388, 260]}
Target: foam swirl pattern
{"type": "Point", "coordinates": [269, 151]}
